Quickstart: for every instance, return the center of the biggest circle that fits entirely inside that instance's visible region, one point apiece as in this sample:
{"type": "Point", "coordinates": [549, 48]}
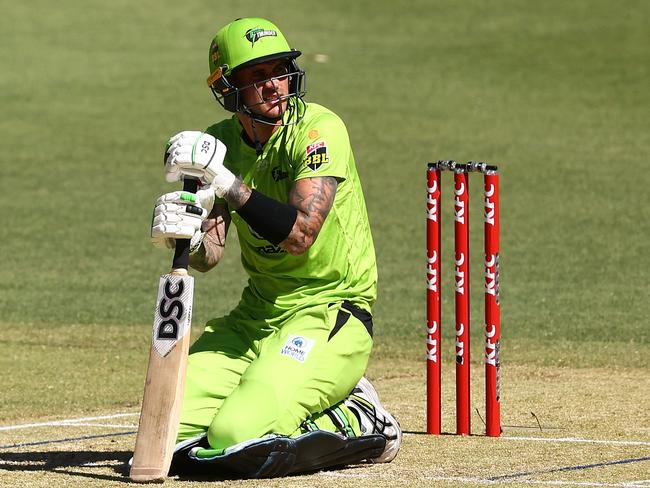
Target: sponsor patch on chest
{"type": "Point", "coordinates": [278, 174]}
{"type": "Point", "coordinates": [316, 155]}
{"type": "Point", "coordinates": [297, 347]}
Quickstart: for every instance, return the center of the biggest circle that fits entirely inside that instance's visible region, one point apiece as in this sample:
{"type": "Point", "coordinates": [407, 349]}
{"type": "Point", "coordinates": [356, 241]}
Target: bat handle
{"type": "Point", "coordinates": [182, 251]}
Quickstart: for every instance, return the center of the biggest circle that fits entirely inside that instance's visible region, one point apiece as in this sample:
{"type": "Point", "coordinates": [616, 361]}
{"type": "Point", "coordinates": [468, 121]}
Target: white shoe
{"type": "Point", "coordinates": [375, 419]}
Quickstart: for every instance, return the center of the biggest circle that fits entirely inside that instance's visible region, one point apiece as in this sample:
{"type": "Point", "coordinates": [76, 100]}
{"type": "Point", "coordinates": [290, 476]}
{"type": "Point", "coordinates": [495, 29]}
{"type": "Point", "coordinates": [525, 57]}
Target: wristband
{"type": "Point", "coordinates": [271, 219]}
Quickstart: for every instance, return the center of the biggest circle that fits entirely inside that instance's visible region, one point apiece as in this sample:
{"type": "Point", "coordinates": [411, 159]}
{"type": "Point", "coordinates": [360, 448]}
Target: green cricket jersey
{"type": "Point", "coordinates": [340, 265]}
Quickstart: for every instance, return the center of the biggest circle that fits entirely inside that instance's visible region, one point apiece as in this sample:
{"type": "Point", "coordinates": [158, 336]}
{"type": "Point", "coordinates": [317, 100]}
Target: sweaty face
{"type": "Point", "coordinates": [265, 87]}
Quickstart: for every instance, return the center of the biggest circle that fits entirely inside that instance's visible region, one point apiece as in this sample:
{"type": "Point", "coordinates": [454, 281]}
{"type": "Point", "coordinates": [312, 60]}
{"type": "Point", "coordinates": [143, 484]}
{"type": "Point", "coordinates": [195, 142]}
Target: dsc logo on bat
{"type": "Point", "coordinates": [171, 310]}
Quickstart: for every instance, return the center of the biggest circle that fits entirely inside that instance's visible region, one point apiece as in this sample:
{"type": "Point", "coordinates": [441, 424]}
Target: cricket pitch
{"type": "Point", "coordinates": [561, 427]}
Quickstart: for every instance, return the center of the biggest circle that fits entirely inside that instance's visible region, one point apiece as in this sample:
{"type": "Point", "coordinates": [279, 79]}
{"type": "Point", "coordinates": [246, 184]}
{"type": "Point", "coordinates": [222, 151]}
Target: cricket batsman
{"type": "Point", "coordinates": [275, 387]}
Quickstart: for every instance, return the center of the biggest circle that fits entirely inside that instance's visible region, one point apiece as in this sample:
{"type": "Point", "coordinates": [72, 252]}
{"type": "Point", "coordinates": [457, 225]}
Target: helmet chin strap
{"type": "Point", "coordinates": [264, 120]}
{"type": "Point", "coordinates": [258, 145]}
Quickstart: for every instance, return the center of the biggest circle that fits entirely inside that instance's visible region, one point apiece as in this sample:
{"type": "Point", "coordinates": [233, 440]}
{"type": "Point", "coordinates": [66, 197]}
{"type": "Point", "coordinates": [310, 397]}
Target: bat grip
{"type": "Point", "coordinates": [182, 251]}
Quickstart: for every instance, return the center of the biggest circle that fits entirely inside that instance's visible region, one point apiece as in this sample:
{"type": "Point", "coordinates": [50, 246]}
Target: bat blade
{"type": "Point", "coordinates": [165, 383]}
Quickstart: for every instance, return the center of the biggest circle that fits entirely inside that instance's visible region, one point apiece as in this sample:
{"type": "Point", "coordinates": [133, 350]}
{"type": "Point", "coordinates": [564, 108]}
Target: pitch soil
{"type": "Point", "coordinates": [571, 407]}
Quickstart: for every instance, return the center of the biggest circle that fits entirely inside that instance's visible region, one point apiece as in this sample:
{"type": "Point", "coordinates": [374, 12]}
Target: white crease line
{"type": "Point", "coordinates": [59, 423]}
{"type": "Point", "coordinates": [100, 464]}
{"type": "Point", "coordinates": [578, 440]}
{"type": "Point", "coordinates": [339, 474]}
{"type": "Point", "coordinates": [83, 421]}
{"type": "Point", "coordinates": [112, 426]}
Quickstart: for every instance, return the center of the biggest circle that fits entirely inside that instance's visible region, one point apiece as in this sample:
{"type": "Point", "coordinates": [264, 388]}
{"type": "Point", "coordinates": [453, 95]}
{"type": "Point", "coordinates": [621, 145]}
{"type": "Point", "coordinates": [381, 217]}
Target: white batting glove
{"type": "Point", "coordinates": [199, 155]}
{"type": "Point", "coordinates": [179, 215]}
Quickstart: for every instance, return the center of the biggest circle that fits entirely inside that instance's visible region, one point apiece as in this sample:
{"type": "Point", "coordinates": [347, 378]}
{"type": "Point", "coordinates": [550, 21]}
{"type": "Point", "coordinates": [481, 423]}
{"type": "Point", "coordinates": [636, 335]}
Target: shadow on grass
{"type": "Point", "coordinates": [75, 463]}
{"type": "Point", "coordinates": [69, 462]}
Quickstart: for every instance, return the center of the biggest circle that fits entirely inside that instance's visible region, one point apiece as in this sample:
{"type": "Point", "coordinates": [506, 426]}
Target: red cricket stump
{"type": "Point", "coordinates": [433, 299]}
{"type": "Point", "coordinates": [492, 307]}
{"type": "Point", "coordinates": [461, 234]}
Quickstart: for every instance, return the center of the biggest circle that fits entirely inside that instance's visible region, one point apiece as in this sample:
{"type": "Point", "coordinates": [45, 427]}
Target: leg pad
{"type": "Point", "coordinates": [321, 449]}
{"type": "Point", "coordinates": [260, 458]}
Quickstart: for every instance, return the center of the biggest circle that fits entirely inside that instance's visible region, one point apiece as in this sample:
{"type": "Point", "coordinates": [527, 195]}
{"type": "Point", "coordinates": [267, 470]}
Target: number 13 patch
{"type": "Point", "coordinates": [316, 155]}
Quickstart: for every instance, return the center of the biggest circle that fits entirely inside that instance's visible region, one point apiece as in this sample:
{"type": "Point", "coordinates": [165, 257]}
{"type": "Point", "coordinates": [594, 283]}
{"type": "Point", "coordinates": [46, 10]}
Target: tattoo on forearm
{"type": "Point", "coordinates": [214, 240]}
{"type": "Point", "coordinates": [313, 198]}
{"type": "Point", "coordinates": [238, 194]}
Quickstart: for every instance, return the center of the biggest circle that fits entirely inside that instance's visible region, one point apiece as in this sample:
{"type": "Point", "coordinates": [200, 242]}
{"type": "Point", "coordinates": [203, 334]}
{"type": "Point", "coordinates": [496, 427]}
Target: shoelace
{"type": "Point", "coordinates": [379, 425]}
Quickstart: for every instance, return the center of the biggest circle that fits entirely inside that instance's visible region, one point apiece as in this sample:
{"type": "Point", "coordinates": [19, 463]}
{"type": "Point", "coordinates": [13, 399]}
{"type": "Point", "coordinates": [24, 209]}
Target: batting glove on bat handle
{"type": "Point", "coordinates": [180, 215]}
{"type": "Point", "coordinates": [182, 251]}
{"type": "Point", "coordinates": [193, 154]}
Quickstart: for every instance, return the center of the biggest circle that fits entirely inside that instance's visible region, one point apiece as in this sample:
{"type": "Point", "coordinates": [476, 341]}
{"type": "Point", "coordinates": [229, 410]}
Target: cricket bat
{"type": "Point", "coordinates": [165, 383]}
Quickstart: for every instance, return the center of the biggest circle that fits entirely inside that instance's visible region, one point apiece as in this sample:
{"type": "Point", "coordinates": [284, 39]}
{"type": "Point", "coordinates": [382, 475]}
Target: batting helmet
{"type": "Point", "coordinates": [246, 42]}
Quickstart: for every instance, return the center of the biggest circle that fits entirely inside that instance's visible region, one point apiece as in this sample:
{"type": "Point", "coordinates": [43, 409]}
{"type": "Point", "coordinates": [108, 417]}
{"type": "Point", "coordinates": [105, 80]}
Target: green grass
{"type": "Point", "coordinates": [555, 93]}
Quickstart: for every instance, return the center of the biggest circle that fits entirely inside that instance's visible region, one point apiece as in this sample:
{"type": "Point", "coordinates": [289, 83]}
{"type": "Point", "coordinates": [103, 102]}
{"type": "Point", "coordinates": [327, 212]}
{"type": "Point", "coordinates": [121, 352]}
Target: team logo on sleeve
{"type": "Point", "coordinates": [316, 155]}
